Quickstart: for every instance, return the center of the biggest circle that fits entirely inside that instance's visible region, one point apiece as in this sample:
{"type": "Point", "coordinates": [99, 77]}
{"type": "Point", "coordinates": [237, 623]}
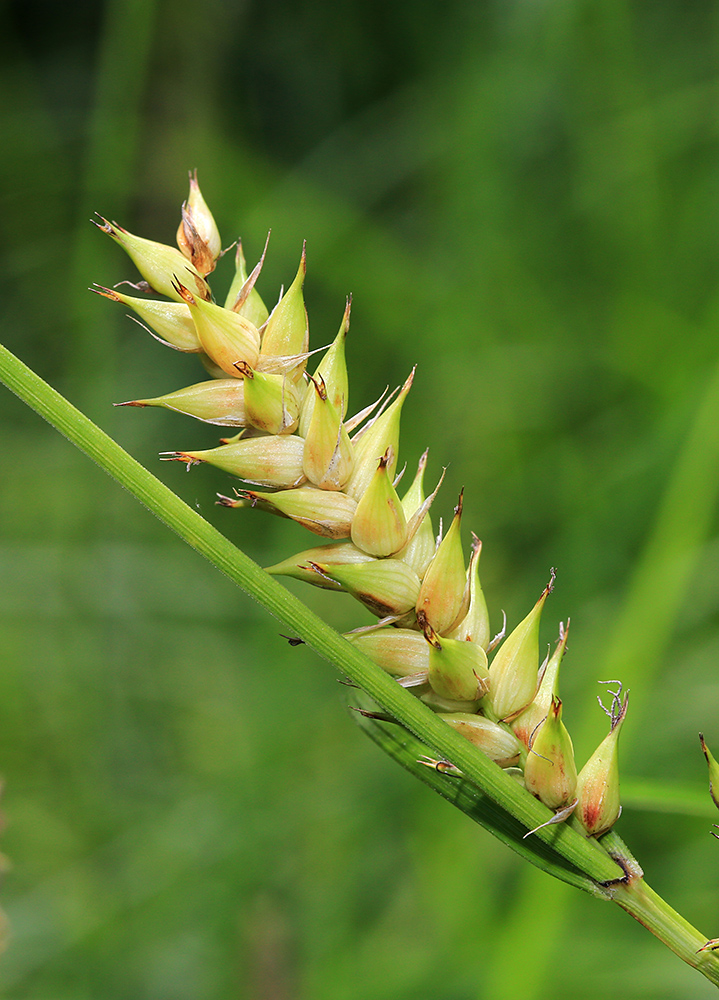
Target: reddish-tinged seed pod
{"type": "Point", "coordinates": [513, 671]}
{"type": "Point", "coordinates": [550, 772]}
{"type": "Point", "coordinates": [219, 401]}
{"type": "Point", "coordinates": [264, 461]}
{"type": "Point", "coordinates": [474, 626]}
{"type": "Point", "coordinates": [336, 553]}
{"type": "Point", "coordinates": [169, 322]}
{"type": "Point", "coordinates": [598, 804]}
{"type": "Point", "coordinates": [402, 652]}
{"type": "Point", "coordinates": [227, 339]}
{"type": "Point", "coordinates": [385, 586]}
{"type": "Point", "coordinates": [441, 596]}
{"type": "Point", "coordinates": [327, 514]}
{"type": "Point", "coordinates": [379, 526]}
{"type": "Point", "coordinates": [373, 441]}
{"type": "Point", "coordinates": [272, 402]}
{"type": "Point", "coordinates": [286, 332]}
{"type": "Point", "coordinates": [497, 741]}
{"type": "Point", "coordinates": [457, 669]}
{"type": "Point", "coordinates": [198, 236]}
{"type": "Point", "coordinates": [161, 266]}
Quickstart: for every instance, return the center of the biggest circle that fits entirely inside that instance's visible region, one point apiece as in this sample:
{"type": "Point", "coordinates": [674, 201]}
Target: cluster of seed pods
{"type": "Point", "coordinates": [303, 458]}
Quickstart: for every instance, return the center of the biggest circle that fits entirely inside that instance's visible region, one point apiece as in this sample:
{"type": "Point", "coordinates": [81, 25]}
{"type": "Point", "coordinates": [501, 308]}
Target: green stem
{"type": "Point", "coordinates": [585, 856]}
{"type": "Point", "coordinates": [639, 899]}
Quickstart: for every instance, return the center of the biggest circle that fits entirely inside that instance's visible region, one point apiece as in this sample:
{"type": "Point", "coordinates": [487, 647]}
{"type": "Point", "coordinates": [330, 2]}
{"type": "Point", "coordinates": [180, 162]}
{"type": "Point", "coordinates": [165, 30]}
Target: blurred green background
{"type": "Point", "coordinates": [523, 198]}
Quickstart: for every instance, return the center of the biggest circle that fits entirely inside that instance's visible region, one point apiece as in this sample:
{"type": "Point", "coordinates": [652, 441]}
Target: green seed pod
{"type": "Point", "coordinates": [457, 669]}
{"type": "Point", "coordinates": [513, 670]}
{"type": "Point", "coordinates": [550, 772]}
{"type": "Point", "coordinates": [286, 331]}
{"type": "Point", "coordinates": [336, 553]}
{"type": "Point", "coordinates": [329, 454]}
{"type": "Point", "coordinates": [327, 514]}
{"type": "Point", "coordinates": [161, 266]}
{"type": "Point", "coordinates": [372, 442]}
{"type": "Point", "coordinates": [385, 586]}
{"type": "Point", "coordinates": [332, 373]}
{"type": "Point", "coordinates": [535, 713]}
{"type": "Point", "coordinates": [474, 627]}
{"type": "Point", "coordinates": [171, 322]}
{"type": "Point", "coordinates": [243, 298]}
{"type": "Point", "coordinates": [228, 339]}
{"type": "Point", "coordinates": [272, 402]}
{"type": "Point", "coordinates": [442, 594]}
{"type": "Point", "coordinates": [598, 805]}
{"type": "Point", "coordinates": [430, 698]}
{"type": "Point", "coordinates": [220, 401]}
{"type": "Point", "coordinates": [497, 741]}
{"type": "Point", "coordinates": [713, 772]}
{"type": "Point", "coordinates": [265, 461]}
{"type": "Point", "coordinates": [402, 652]}
{"type": "Point", "coordinates": [379, 526]}
{"type": "Point", "coordinates": [420, 549]}
{"type": "Point", "coordinates": [198, 236]}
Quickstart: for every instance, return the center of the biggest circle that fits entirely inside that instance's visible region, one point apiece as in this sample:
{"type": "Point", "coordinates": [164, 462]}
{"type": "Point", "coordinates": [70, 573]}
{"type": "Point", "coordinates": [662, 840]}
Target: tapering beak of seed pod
{"type": "Point", "coordinates": [332, 375]}
{"type": "Point", "coordinates": [374, 440]}
{"type": "Point", "coordinates": [197, 236]}
{"type": "Point", "coordinates": [514, 668]}
{"type": "Point", "coordinates": [474, 626]}
{"type": "Point", "coordinates": [442, 595]}
{"type": "Point", "coordinates": [286, 332]}
{"type": "Point", "coordinates": [598, 804]}
{"type": "Point", "coordinates": [420, 548]}
{"type": "Point", "coordinates": [219, 401]}
{"type": "Point", "coordinates": [169, 322]}
{"type": "Point", "coordinates": [158, 264]}
{"type": "Point", "coordinates": [527, 721]}
{"type": "Point", "coordinates": [243, 298]}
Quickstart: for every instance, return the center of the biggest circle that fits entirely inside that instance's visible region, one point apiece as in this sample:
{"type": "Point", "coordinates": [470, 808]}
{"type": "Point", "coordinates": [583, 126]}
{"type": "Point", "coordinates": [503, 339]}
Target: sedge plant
{"type": "Point", "coordinates": [477, 717]}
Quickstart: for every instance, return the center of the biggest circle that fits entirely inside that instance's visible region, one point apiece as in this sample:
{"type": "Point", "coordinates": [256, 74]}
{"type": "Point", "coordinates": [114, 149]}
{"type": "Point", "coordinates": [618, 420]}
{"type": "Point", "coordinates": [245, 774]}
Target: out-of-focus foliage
{"type": "Point", "coordinates": [523, 199]}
